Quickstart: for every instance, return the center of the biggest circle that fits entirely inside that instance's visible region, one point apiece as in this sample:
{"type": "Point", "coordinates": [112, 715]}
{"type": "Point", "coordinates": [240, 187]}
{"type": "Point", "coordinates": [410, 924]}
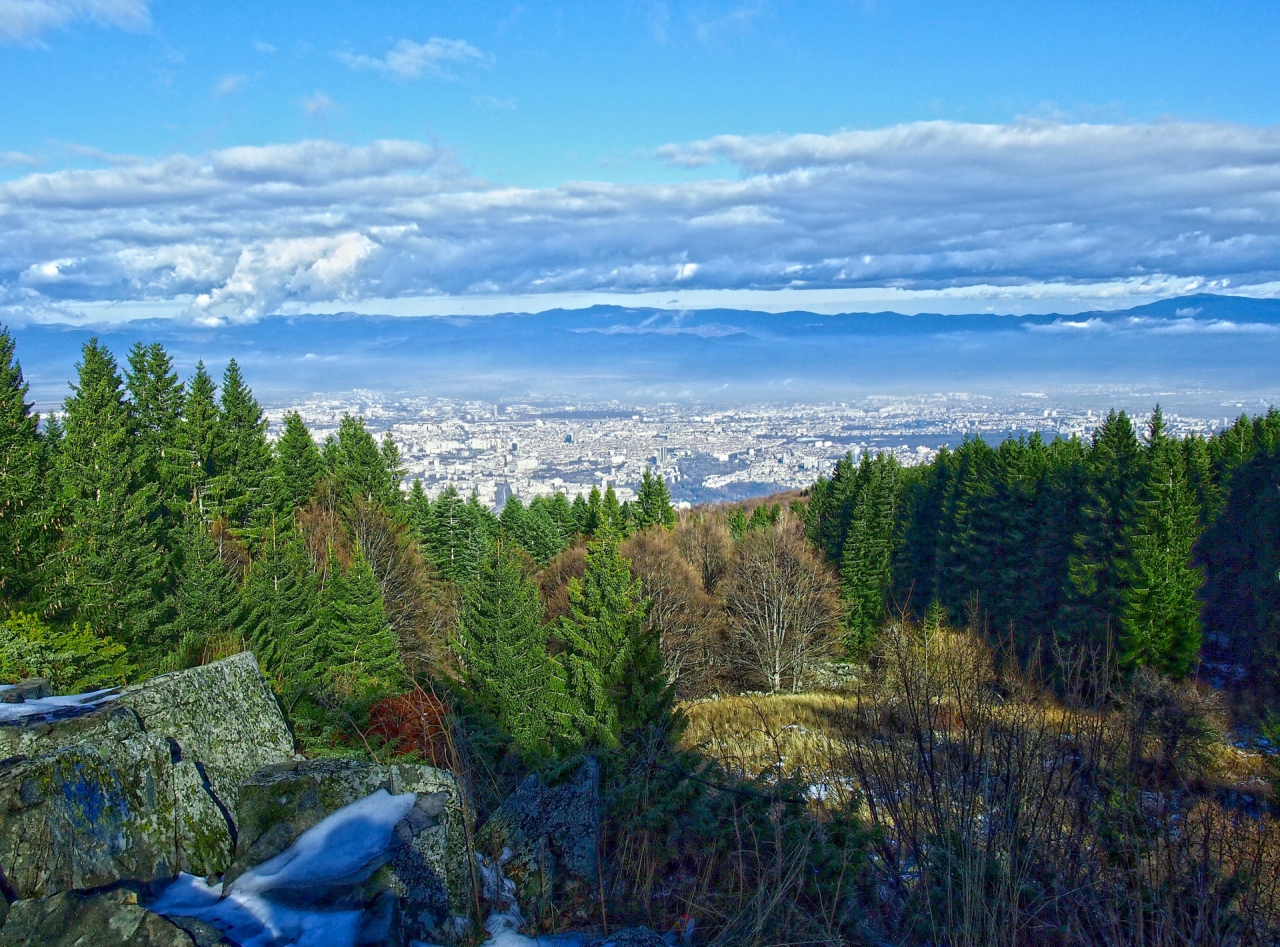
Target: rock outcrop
{"type": "Point", "coordinates": [426, 869]}
{"type": "Point", "coordinates": [98, 919]}
{"type": "Point", "coordinates": [544, 838]}
{"type": "Point", "coordinates": [140, 784]}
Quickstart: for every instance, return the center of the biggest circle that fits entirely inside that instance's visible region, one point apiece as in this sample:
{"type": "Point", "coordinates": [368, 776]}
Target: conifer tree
{"type": "Point", "coordinates": [580, 514]}
{"type": "Point", "coordinates": [393, 468]}
{"type": "Point", "coordinates": [502, 645]}
{"type": "Point", "coordinates": [1098, 566]}
{"type": "Point", "coordinates": [355, 641]}
{"type": "Point", "coordinates": [447, 543]}
{"type": "Point", "coordinates": [613, 665]}
{"type": "Point", "coordinates": [198, 437]}
{"type": "Point", "coordinates": [358, 460]}
{"type": "Point", "coordinates": [282, 602]}
{"type": "Point", "coordinates": [110, 569]}
{"type": "Point", "coordinates": [242, 457]}
{"type": "Point", "coordinates": [866, 568]}
{"type": "Point", "coordinates": [206, 599]}
{"type": "Point", "coordinates": [1160, 624]}
{"type": "Point", "coordinates": [595, 515]}
{"type": "Point", "coordinates": [418, 514]}
{"type": "Point", "coordinates": [157, 400]}
{"type": "Point", "coordinates": [653, 503]}
{"type": "Point", "coordinates": [296, 468]}
{"type": "Point", "coordinates": [611, 519]}
{"type": "Point", "coordinates": [23, 503]}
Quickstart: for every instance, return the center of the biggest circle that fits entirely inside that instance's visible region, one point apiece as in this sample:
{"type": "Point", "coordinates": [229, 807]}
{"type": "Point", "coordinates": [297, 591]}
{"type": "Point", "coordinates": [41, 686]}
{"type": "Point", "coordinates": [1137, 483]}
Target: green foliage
{"type": "Point", "coordinates": [110, 569]}
{"type": "Point", "coordinates": [296, 467]}
{"type": "Point", "coordinates": [357, 652]}
{"type": "Point", "coordinates": [866, 572]}
{"type": "Point", "coordinates": [241, 456]}
{"type": "Point", "coordinates": [282, 603]}
{"type": "Point", "coordinates": [653, 503]}
{"type": "Point", "coordinates": [73, 658]}
{"type": "Point", "coordinates": [502, 645]}
{"type": "Point", "coordinates": [1160, 626]}
{"type": "Point", "coordinates": [198, 435]}
{"type": "Point", "coordinates": [612, 662]}
{"type": "Point", "coordinates": [206, 599]}
{"type": "Point", "coordinates": [369, 471]}
{"type": "Point", "coordinates": [23, 500]}
{"type": "Point", "coordinates": [535, 528]}
{"type": "Point", "coordinates": [156, 398]}
{"type": "Point", "coordinates": [454, 535]}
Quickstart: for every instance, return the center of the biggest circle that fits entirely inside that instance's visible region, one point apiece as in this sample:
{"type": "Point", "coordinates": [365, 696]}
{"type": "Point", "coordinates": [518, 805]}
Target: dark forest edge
{"type": "Point", "coordinates": [1015, 640]}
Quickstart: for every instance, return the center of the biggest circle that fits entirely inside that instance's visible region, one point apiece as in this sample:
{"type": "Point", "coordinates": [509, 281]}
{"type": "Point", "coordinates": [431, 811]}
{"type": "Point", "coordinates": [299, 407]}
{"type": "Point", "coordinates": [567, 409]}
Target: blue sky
{"type": "Point", "coordinates": [222, 161]}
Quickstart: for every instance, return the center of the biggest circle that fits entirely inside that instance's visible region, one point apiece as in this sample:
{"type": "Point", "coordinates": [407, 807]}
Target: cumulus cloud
{"type": "Point", "coordinates": [25, 21]}
{"type": "Point", "coordinates": [410, 60]}
{"type": "Point", "coordinates": [1143, 209]}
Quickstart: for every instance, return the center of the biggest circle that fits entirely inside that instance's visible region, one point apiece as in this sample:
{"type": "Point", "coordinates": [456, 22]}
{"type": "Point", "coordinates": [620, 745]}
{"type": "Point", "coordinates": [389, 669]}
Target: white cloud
{"type": "Point", "coordinates": [489, 102]}
{"type": "Point", "coordinates": [1009, 218]}
{"type": "Point", "coordinates": [17, 157]}
{"type": "Point", "coordinates": [25, 21]}
{"type": "Point", "coordinates": [265, 48]}
{"type": "Point", "coordinates": [410, 60]}
{"type": "Point", "coordinates": [230, 84]}
{"type": "Point", "coordinates": [318, 103]}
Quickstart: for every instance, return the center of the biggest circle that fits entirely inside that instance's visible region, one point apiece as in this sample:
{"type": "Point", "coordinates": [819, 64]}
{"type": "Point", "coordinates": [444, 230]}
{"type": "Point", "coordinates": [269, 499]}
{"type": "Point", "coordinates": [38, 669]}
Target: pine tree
{"type": "Point", "coordinates": [110, 569]}
{"type": "Point", "coordinates": [282, 602]}
{"type": "Point", "coordinates": [242, 457]}
{"type": "Point", "coordinates": [206, 599]}
{"type": "Point", "coordinates": [653, 503]}
{"type": "Point", "coordinates": [296, 468]}
{"type": "Point", "coordinates": [1160, 624]}
{"type": "Point", "coordinates": [198, 437]}
{"type": "Point", "coordinates": [23, 504]}
{"type": "Point", "coordinates": [359, 652]}
{"type": "Point", "coordinates": [613, 665]}
{"type": "Point", "coordinates": [502, 645]}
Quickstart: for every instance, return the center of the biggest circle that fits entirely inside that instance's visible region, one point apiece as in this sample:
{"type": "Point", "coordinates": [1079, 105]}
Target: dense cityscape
{"type": "Point", "coordinates": [704, 454]}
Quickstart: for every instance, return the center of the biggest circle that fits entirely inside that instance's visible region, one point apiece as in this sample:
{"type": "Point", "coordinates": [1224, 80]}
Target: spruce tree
{"type": "Point", "coordinates": [110, 568]}
{"type": "Point", "coordinates": [206, 598]}
{"type": "Point", "coordinates": [282, 602]}
{"type": "Point", "coordinates": [242, 457]}
{"type": "Point", "coordinates": [449, 545]}
{"type": "Point", "coordinates": [595, 515]}
{"type": "Point", "coordinates": [611, 519]}
{"type": "Point", "coordinates": [653, 503]}
{"type": "Point", "coordinates": [358, 649]}
{"type": "Point", "coordinates": [502, 645]}
{"type": "Point", "coordinates": [23, 504]}
{"type": "Point", "coordinates": [613, 664]}
{"type": "Point", "coordinates": [368, 471]}
{"type": "Point", "coordinates": [866, 568]}
{"type": "Point", "coordinates": [1160, 623]}
{"type": "Point", "coordinates": [157, 401]}
{"type": "Point", "coordinates": [1098, 567]}
{"type": "Point", "coordinates": [296, 467]}
{"type": "Point", "coordinates": [580, 515]}
{"type": "Point", "coordinates": [198, 438]}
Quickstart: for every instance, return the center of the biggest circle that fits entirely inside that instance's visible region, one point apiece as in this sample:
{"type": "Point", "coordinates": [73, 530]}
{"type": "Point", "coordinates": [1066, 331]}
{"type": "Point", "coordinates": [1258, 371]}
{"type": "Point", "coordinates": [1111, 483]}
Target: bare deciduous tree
{"type": "Point", "coordinates": [781, 609]}
{"type": "Point", "coordinates": [703, 541]}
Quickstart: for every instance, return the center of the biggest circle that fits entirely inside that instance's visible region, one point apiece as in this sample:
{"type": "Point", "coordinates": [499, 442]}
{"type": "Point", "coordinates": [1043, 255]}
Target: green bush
{"type": "Point", "coordinates": [73, 658]}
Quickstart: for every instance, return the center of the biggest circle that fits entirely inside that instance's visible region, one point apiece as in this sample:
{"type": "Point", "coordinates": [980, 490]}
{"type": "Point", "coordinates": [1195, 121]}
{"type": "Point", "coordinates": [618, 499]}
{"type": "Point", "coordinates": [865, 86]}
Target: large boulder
{"type": "Point", "coordinates": [544, 839]}
{"type": "Point", "coordinates": [100, 919]}
{"type": "Point", "coordinates": [138, 783]}
{"type": "Point", "coordinates": [426, 869]}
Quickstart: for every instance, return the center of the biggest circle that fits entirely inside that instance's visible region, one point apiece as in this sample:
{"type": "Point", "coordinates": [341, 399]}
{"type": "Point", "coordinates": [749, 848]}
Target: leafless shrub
{"type": "Point", "coordinates": [704, 543]}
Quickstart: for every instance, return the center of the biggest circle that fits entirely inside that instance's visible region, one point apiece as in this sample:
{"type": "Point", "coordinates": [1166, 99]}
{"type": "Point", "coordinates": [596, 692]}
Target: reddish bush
{"type": "Point", "coordinates": [413, 723]}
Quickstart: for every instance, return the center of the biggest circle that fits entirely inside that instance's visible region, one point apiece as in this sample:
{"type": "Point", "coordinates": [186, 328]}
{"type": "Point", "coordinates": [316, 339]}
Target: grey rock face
{"type": "Point", "coordinates": [631, 937]}
{"type": "Point", "coordinates": [79, 919]}
{"type": "Point", "coordinates": [141, 786]}
{"type": "Point", "coordinates": [545, 838]}
{"type": "Point", "coordinates": [32, 688]}
{"type": "Point", "coordinates": [427, 870]}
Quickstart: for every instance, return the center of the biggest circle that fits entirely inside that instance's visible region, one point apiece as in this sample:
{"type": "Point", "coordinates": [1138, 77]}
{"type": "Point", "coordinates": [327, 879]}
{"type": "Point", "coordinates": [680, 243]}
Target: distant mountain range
{"type": "Point", "coordinates": [1221, 347]}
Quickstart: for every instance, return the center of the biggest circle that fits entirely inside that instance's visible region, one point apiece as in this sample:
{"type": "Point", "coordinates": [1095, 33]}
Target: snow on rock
{"type": "Point", "coordinates": [262, 908]}
{"type": "Point", "coordinates": [54, 708]}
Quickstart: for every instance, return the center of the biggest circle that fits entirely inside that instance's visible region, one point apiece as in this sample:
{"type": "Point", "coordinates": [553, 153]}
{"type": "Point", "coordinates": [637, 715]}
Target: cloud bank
{"type": "Point", "coordinates": [238, 233]}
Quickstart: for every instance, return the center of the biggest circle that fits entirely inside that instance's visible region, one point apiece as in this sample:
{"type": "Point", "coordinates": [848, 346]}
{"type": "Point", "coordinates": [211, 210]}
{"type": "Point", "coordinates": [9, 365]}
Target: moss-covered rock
{"type": "Point", "coordinates": [142, 784]}
{"type": "Point", "coordinates": [82, 919]}
{"type": "Point", "coordinates": [544, 838]}
{"type": "Point", "coordinates": [427, 869]}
